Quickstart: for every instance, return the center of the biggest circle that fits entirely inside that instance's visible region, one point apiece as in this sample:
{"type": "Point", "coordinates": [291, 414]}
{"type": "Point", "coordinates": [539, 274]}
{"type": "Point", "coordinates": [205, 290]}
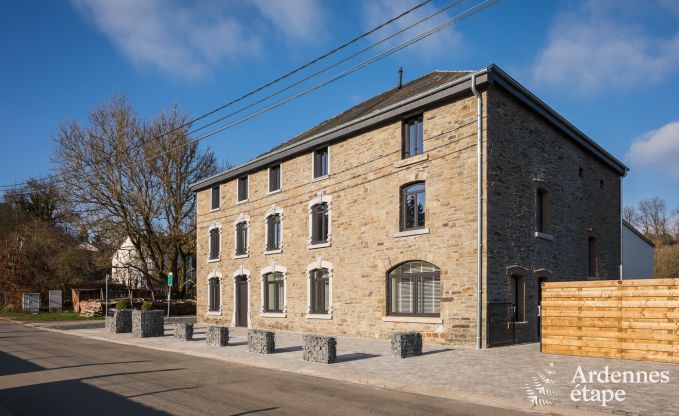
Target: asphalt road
{"type": "Point", "coordinates": [47, 373]}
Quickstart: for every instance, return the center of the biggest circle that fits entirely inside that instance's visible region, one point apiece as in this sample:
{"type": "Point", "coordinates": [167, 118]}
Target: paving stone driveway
{"type": "Point", "coordinates": [506, 376]}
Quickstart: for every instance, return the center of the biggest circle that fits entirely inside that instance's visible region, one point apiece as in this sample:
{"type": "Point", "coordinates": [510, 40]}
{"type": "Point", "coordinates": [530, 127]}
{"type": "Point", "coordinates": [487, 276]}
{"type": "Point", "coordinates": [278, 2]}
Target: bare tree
{"type": "Point", "coordinates": [629, 214]}
{"type": "Point", "coordinates": [131, 178]}
{"type": "Point", "coordinates": [654, 219]}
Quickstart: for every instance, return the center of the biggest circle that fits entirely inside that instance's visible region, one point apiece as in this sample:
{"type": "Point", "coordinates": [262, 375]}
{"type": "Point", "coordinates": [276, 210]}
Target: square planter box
{"type": "Point", "coordinates": [120, 322]}
{"type": "Point", "coordinates": [148, 323]}
{"type": "Point", "coordinates": [183, 332]}
{"type": "Point", "coordinates": [261, 341]}
{"type": "Point", "coordinates": [406, 344]}
{"type": "Point", "coordinates": [217, 336]}
{"type": "Point", "coordinates": [320, 349]}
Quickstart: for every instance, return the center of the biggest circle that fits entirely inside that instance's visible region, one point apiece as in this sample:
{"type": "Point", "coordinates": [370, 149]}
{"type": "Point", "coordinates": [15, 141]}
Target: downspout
{"type": "Point", "coordinates": [479, 217]}
{"type": "Point", "coordinates": [622, 262]}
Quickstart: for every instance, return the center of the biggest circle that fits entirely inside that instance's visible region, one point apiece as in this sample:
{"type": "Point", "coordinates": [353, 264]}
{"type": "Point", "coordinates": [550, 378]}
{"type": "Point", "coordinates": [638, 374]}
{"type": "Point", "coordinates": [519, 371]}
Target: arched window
{"type": "Point", "coordinates": [214, 294]}
{"type": "Point", "coordinates": [412, 206]}
{"type": "Point", "coordinates": [414, 289]}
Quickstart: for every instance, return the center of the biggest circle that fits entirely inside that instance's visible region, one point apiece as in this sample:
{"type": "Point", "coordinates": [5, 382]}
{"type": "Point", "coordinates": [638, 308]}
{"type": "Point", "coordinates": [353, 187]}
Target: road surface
{"type": "Point", "coordinates": [47, 373]}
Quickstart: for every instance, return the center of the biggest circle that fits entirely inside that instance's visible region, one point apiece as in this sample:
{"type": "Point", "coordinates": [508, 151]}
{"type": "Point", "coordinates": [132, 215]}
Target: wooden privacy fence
{"type": "Point", "coordinates": [630, 319]}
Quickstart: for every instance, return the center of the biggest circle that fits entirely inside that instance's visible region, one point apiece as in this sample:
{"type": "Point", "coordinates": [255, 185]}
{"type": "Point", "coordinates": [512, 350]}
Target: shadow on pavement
{"type": "Point", "coordinates": [252, 412]}
{"type": "Point", "coordinates": [10, 364]}
{"type": "Point", "coordinates": [290, 349]}
{"type": "Point", "coordinates": [354, 357]}
{"type": "Point", "coordinates": [437, 351]}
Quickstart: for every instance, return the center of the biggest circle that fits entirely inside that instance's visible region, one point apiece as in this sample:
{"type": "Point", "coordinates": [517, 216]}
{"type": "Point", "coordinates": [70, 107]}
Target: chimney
{"type": "Point", "coordinates": [400, 77]}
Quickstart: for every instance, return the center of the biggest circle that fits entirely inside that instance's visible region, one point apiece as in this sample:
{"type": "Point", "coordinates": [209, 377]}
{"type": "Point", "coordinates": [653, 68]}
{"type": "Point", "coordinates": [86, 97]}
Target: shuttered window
{"type": "Point", "coordinates": [214, 294]}
{"type": "Point", "coordinates": [414, 289]}
{"type": "Point", "coordinates": [241, 238]}
{"type": "Point", "coordinates": [214, 243]}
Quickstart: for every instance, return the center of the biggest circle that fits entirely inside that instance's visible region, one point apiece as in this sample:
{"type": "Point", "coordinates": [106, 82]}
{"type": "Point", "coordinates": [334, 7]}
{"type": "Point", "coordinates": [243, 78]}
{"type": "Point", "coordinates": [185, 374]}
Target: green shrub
{"type": "Point", "coordinates": [123, 304]}
{"type": "Point", "coordinates": [147, 306]}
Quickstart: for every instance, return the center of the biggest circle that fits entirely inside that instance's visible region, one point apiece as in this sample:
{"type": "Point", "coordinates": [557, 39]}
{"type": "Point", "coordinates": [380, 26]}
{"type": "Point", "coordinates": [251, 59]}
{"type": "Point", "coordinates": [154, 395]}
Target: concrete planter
{"type": "Point", "coordinates": [406, 344]}
{"type": "Point", "coordinates": [261, 341]}
{"type": "Point", "coordinates": [217, 336]}
{"type": "Point", "coordinates": [120, 322]}
{"type": "Point", "coordinates": [320, 349]}
{"type": "Point", "coordinates": [147, 324]}
{"type": "Point", "coordinates": [183, 332]}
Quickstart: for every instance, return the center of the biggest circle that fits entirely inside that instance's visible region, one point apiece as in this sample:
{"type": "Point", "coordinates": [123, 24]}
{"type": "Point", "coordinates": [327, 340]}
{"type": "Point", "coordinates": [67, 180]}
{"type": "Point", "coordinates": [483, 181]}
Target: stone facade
{"type": "Point", "coordinates": [263, 342]}
{"type": "Point", "coordinates": [406, 344]}
{"type": "Point", "coordinates": [148, 323]}
{"type": "Point", "coordinates": [319, 349]}
{"type": "Point", "coordinates": [366, 173]}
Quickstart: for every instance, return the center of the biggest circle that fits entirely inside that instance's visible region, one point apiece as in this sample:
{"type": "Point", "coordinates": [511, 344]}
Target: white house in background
{"type": "Point", "coordinates": [125, 266]}
{"type": "Point", "coordinates": [637, 254]}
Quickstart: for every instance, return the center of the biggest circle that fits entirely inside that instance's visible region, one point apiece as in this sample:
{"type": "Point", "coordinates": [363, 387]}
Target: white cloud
{"type": "Point", "coordinates": [299, 20]}
{"type": "Point", "coordinates": [657, 149]}
{"type": "Point", "coordinates": [190, 42]}
{"type": "Point", "coordinates": [376, 12]}
{"type": "Point", "coordinates": [601, 44]}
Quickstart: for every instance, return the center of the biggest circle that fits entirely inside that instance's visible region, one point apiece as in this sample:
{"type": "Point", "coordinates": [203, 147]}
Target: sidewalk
{"type": "Point", "coordinates": [506, 377]}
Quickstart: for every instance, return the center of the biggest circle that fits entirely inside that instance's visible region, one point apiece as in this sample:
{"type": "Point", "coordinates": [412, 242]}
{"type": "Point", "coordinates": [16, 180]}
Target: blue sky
{"type": "Point", "coordinates": [609, 67]}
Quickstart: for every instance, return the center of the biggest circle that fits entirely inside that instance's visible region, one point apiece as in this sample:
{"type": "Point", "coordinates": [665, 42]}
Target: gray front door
{"type": "Point", "coordinates": [242, 301]}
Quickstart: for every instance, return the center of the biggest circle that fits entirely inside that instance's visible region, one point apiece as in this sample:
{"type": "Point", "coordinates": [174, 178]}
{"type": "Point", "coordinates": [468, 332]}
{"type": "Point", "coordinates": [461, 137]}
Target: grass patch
{"type": "Point", "coordinates": [48, 316]}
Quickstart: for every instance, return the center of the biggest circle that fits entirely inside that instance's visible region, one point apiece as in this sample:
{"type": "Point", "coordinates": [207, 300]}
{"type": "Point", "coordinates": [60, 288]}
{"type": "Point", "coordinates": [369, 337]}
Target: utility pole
{"type": "Point", "coordinates": [106, 307]}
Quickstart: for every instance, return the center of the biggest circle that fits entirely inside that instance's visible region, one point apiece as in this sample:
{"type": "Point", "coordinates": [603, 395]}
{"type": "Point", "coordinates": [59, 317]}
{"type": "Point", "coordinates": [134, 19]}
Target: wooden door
{"type": "Point", "coordinates": [242, 302]}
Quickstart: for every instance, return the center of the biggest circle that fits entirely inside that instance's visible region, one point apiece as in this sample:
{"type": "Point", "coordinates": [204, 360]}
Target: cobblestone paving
{"type": "Point", "coordinates": [513, 375]}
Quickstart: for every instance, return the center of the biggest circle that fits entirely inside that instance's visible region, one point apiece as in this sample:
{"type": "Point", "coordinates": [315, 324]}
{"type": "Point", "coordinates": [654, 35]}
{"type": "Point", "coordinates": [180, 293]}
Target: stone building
{"type": "Point", "coordinates": [368, 223]}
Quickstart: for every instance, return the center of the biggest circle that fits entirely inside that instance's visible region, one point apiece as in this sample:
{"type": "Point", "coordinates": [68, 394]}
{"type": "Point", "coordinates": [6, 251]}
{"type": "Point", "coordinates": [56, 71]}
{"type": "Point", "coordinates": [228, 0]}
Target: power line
{"type": "Point", "coordinates": [270, 83]}
{"type": "Point", "coordinates": [461, 16]}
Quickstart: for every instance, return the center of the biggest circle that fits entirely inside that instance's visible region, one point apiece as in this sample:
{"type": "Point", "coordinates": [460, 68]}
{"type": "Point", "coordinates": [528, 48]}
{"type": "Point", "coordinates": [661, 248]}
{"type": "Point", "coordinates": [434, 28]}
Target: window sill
{"type": "Point", "coordinates": [318, 316]}
{"type": "Point", "coordinates": [273, 315]}
{"type": "Point", "coordinates": [412, 160]}
{"type": "Point", "coordinates": [214, 260]}
{"type": "Point", "coordinates": [215, 209]}
{"type": "Point", "coordinates": [413, 319]}
{"type": "Point", "coordinates": [214, 314]}
{"type": "Point", "coordinates": [408, 233]}
{"type": "Point", "coordinates": [320, 178]}
{"type": "Point", "coordinates": [242, 202]}
{"type": "Point", "coordinates": [241, 256]}
{"type": "Point", "coordinates": [277, 191]}
{"type": "Point", "coordinates": [544, 236]}
{"type": "Point", "coordinates": [319, 245]}
{"type": "Point", "coordinates": [268, 252]}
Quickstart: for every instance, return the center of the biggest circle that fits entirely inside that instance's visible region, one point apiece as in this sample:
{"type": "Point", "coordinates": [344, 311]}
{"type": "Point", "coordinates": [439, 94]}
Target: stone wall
{"type": "Point", "coordinates": [120, 322]}
{"type": "Point", "coordinates": [366, 174]}
{"type": "Point", "coordinates": [183, 331]}
{"type": "Point", "coordinates": [217, 336]}
{"type": "Point", "coordinates": [406, 344]}
{"type": "Point", "coordinates": [527, 153]}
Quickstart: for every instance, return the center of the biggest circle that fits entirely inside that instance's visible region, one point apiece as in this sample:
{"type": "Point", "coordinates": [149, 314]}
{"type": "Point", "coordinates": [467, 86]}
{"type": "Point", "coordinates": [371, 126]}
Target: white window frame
{"type": "Point", "coordinates": [212, 190]}
{"type": "Point", "coordinates": [248, 189]}
{"type": "Point", "coordinates": [313, 165]}
{"type": "Point", "coordinates": [215, 274]}
{"type": "Point", "coordinates": [275, 268]}
{"type": "Point", "coordinates": [209, 243]}
{"type": "Point", "coordinates": [319, 199]}
{"type": "Point", "coordinates": [268, 181]}
{"type": "Point", "coordinates": [246, 219]}
{"type": "Point", "coordinates": [319, 264]}
{"type": "Point", "coordinates": [241, 272]}
{"type": "Point", "coordinates": [272, 211]}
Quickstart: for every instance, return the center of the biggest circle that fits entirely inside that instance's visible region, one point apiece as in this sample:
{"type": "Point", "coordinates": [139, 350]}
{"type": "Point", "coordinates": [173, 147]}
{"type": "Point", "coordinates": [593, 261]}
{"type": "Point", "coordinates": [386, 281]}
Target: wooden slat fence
{"type": "Point", "coordinates": [630, 319]}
